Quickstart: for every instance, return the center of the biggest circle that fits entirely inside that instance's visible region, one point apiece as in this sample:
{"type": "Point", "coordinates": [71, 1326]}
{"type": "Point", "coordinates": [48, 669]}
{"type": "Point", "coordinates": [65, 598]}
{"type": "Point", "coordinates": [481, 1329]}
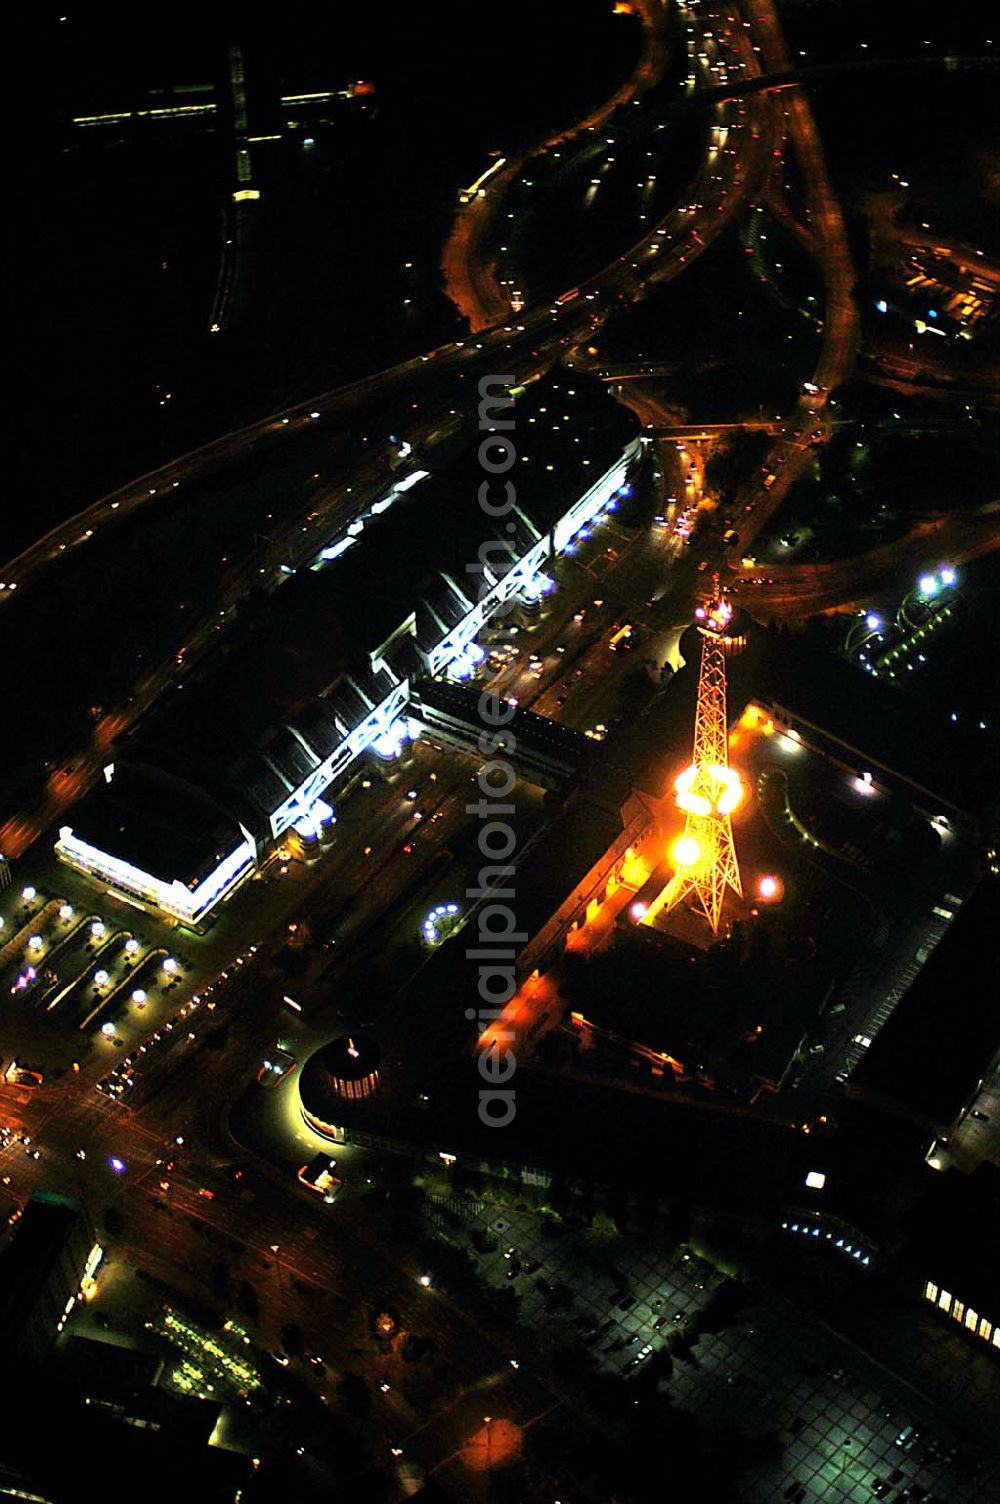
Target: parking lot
{"type": "Point", "coordinates": [835, 1413]}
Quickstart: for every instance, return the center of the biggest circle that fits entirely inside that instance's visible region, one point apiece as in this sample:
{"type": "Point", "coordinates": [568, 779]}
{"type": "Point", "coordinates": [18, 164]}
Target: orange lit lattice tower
{"type": "Point", "coordinates": [709, 790]}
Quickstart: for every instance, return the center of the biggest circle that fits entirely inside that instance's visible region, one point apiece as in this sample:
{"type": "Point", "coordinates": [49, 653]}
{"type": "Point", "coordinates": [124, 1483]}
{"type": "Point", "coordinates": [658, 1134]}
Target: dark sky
{"type": "Point", "coordinates": [119, 236]}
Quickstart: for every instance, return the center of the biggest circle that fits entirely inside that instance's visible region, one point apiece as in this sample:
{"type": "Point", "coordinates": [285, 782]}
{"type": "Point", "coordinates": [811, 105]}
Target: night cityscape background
{"type": "Point", "coordinates": [498, 817]}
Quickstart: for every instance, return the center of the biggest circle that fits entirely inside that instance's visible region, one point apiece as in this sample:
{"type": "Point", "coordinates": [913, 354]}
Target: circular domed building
{"type": "Point", "coordinates": [345, 1070]}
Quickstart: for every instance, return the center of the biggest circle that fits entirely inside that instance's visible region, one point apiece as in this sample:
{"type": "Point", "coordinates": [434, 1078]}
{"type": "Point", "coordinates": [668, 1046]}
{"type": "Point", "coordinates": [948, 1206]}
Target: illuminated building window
{"type": "Point", "coordinates": [985, 1329]}
{"type": "Point", "coordinates": [958, 1310]}
{"type": "Point", "coordinates": [996, 1336]}
{"type": "Point", "coordinates": [971, 1319]}
{"type": "Point", "coordinates": [931, 1291]}
{"type": "Point", "coordinates": [944, 1300]}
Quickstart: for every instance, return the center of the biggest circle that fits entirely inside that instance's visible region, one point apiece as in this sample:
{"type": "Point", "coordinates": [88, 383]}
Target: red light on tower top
{"type": "Point", "coordinates": [714, 616]}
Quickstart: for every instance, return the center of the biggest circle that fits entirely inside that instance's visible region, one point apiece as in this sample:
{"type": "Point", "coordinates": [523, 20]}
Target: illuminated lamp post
{"type": "Point", "coordinates": [385, 1325]}
{"type": "Point", "coordinates": [870, 624]}
{"type": "Point", "coordinates": [925, 593]}
{"type": "Point", "coordinates": [709, 790]}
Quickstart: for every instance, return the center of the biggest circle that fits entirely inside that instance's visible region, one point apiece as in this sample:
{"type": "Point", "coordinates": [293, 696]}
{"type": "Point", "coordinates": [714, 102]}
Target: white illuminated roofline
{"type": "Point", "coordinates": [457, 640]}
{"type": "Point", "coordinates": [173, 897]}
{"type": "Point", "coordinates": [376, 723]}
{"type": "Point", "coordinates": [454, 644]}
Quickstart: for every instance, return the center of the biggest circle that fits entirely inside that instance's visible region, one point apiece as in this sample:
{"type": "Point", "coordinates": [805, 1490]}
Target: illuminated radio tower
{"type": "Point", "coordinates": [709, 790]}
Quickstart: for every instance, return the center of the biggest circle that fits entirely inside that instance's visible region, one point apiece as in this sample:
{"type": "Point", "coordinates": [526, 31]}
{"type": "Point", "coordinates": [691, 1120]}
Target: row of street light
{"type": "Point", "coordinates": [922, 597]}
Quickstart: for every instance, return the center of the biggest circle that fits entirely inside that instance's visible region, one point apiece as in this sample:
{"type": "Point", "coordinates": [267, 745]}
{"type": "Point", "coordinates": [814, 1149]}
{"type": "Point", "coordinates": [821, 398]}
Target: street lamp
{"type": "Point", "coordinates": [872, 624]}
{"type": "Point", "coordinates": [927, 589]}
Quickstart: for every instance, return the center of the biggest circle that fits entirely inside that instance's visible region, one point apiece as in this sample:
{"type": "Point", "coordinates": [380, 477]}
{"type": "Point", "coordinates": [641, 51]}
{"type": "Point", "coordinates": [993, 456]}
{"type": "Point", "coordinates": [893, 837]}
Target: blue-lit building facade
{"type": "Point", "coordinates": [411, 580]}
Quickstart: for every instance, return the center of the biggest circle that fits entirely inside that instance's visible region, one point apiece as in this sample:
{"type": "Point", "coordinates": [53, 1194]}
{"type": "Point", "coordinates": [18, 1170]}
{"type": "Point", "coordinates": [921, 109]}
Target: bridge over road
{"type": "Point", "coordinates": [543, 752]}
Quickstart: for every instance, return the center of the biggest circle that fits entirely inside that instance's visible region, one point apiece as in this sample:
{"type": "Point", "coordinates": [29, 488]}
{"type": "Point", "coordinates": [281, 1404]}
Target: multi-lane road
{"type": "Point", "coordinates": [801, 590]}
{"type": "Point", "coordinates": [271, 1230]}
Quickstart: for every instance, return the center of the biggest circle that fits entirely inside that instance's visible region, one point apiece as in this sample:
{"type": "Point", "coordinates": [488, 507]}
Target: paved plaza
{"type": "Point", "coordinates": [836, 1413]}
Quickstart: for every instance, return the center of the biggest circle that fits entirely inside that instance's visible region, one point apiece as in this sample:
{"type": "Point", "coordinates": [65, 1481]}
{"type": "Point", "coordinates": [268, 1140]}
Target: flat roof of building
{"type": "Point", "coordinates": [953, 1232]}
{"type": "Point", "coordinates": [232, 730]}
{"type": "Point", "coordinates": [876, 722]}
{"type": "Point", "coordinates": [585, 1130]}
{"type": "Point", "coordinates": [943, 1034]}
{"type": "Point", "coordinates": [31, 1256]}
{"type": "Point", "coordinates": [168, 830]}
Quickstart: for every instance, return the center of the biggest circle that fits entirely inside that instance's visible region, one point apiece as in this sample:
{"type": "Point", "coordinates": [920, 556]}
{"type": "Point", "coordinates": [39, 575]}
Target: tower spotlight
{"type": "Point", "coordinates": [947, 575]}
{"type": "Point", "coordinates": [873, 622]}
{"type": "Point", "coordinates": [929, 584]}
{"type": "Point", "coordinates": [686, 851]}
